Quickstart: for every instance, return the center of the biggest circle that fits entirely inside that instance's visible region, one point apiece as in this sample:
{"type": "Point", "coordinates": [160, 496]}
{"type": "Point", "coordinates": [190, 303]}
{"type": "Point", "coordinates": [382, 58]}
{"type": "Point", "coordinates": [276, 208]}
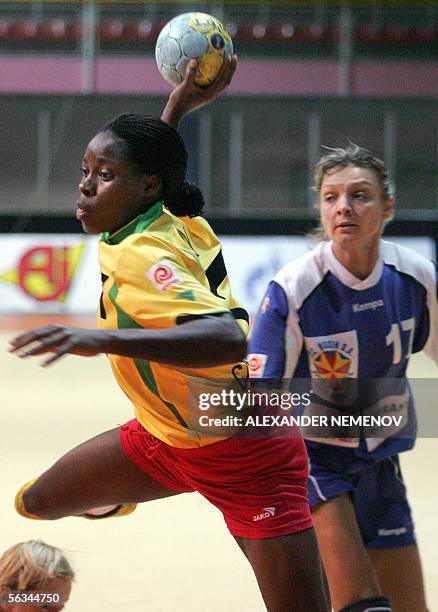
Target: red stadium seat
{"type": "Point", "coordinates": [231, 28]}
{"type": "Point", "coordinates": [4, 28]}
{"type": "Point", "coordinates": [330, 33]}
{"type": "Point", "coordinates": [143, 30]}
{"type": "Point", "coordinates": [53, 29]}
{"type": "Point", "coordinates": [111, 30]}
{"type": "Point", "coordinates": [250, 33]}
{"type": "Point", "coordinates": [73, 29]}
{"type": "Point", "coordinates": [280, 32]}
{"type": "Point", "coordinates": [422, 35]}
{"type": "Point", "coordinates": [23, 29]}
{"type": "Point", "coordinates": [394, 34]}
{"type": "Point", "coordinates": [311, 32]}
{"type": "Point", "coordinates": [367, 33]}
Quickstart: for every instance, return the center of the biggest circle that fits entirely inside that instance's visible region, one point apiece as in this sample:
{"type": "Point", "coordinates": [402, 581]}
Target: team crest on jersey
{"type": "Point", "coordinates": [333, 363]}
{"type": "Point", "coordinates": [256, 364]}
{"type": "Point", "coordinates": [163, 275]}
{"type": "Point", "coordinates": [333, 357]}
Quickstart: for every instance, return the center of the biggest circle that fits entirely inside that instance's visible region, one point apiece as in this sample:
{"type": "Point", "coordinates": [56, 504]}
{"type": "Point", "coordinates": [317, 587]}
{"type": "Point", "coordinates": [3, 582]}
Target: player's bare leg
{"type": "Point", "coordinates": [289, 572]}
{"type": "Point", "coordinates": [350, 573]}
{"type": "Point", "coordinates": [94, 475]}
{"type": "Point", "coordinates": [401, 577]}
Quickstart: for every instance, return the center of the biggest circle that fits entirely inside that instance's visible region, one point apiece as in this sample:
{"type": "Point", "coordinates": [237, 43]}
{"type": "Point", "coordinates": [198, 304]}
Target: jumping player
{"type": "Point", "coordinates": [167, 318]}
{"type": "Point", "coordinates": [355, 307]}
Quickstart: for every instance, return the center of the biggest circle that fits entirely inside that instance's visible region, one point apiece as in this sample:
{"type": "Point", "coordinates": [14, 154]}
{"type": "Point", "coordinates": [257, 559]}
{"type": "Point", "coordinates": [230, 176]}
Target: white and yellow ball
{"type": "Point", "coordinates": [192, 35]}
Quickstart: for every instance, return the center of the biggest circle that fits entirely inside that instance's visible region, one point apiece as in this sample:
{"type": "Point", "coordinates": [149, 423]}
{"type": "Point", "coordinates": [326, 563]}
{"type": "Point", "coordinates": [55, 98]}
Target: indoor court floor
{"type": "Point", "coordinates": [170, 555]}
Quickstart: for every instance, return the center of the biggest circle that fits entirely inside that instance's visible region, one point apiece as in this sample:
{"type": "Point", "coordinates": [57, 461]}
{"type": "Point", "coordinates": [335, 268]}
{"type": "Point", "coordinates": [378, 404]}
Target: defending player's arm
{"type": "Point", "coordinates": [188, 96]}
{"type": "Point", "coordinates": [273, 347]}
{"type": "Point", "coordinates": [431, 347]}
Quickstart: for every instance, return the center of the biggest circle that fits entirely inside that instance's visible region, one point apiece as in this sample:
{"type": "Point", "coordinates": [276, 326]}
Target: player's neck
{"type": "Point", "coordinates": [358, 261]}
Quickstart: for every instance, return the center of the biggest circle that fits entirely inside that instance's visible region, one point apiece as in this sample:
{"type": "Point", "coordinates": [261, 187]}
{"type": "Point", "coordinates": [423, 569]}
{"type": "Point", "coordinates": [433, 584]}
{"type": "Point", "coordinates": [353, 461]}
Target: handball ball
{"type": "Point", "coordinates": [192, 35]}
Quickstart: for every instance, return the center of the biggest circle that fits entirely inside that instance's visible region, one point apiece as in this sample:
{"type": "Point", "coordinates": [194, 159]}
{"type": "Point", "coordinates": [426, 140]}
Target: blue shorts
{"type": "Point", "coordinates": [376, 489]}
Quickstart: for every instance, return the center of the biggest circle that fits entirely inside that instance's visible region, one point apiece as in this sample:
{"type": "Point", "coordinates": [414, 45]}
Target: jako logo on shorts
{"type": "Point", "coordinates": [269, 511]}
{"type": "Point", "coordinates": [163, 275]}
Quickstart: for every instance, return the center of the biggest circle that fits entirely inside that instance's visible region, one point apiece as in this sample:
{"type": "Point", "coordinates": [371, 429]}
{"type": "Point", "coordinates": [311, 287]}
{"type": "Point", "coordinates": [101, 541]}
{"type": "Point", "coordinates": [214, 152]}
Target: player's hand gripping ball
{"type": "Point", "coordinates": [192, 36]}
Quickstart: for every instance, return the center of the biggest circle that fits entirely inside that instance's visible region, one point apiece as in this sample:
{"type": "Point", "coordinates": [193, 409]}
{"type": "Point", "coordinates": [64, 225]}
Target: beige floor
{"type": "Point", "coordinates": [171, 555]}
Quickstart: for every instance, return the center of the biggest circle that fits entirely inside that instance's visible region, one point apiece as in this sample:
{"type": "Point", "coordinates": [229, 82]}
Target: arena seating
{"type": "Point", "coordinates": [142, 30]}
{"type": "Point", "coordinates": [277, 32]}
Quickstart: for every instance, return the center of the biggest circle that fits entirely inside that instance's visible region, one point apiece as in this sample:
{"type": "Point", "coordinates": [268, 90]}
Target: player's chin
{"type": "Point", "coordinates": [91, 227]}
{"type": "Point", "coordinates": [345, 234]}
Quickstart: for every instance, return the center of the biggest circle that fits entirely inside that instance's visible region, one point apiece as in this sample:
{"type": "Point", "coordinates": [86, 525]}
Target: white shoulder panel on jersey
{"type": "Point", "coordinates": [411, 263]}
{"type": "Point", "coordinates": [298, 279]}
{"type": "Point", "coordinates": [301, 276]}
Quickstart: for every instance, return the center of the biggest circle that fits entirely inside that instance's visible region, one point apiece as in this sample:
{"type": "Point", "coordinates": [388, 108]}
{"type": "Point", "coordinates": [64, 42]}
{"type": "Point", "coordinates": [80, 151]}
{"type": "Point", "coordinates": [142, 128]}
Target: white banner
{"type": "Point", "coordinates": [49, 273]}
{"type": "Point", "coordinates": [58, 273]}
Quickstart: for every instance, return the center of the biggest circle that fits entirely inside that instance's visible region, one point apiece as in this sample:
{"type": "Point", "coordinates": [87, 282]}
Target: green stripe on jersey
{"type": "Point", "coordinates": [187, 295]}
{"type": "Point", "coordinates": [124, 321]}
{"type": "Point", "coordinates": [136, 226]}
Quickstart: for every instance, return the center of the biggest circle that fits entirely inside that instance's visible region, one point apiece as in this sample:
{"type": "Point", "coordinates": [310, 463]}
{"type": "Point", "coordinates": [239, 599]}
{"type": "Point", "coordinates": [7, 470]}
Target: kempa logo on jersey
{"type": "Point", "coordinates": [392, 532]}
{"type": "Point", "coordinates": [368, 306]}
{"type": "Point", "coordinates": [269, 511]}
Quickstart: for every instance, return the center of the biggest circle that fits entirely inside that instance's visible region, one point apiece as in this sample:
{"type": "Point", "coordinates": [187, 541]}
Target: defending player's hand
{"type": "Point", "coordinates": [188, 96]}
{"type": "Point", "coordinates": [59, 340]}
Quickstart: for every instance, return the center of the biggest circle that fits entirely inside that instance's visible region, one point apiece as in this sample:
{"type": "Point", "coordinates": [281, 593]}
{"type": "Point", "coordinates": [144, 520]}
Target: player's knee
{"type": "Point", "coordinates": [371, 604]}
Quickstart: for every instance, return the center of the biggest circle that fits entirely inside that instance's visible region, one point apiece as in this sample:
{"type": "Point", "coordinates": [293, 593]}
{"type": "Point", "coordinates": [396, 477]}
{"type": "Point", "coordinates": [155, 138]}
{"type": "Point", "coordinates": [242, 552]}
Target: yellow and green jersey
{"type": "Point", "coordinates": [156, 271]}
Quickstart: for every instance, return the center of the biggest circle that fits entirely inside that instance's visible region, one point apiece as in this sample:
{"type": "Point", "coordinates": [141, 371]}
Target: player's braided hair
{"type": "Point", "coordinates": [157, 148]}
{"type": "Point", "coordinates": [353, 155]}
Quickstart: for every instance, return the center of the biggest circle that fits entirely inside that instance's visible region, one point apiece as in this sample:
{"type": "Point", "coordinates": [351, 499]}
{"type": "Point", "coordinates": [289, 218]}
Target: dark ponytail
{"type": "Point", "coordinates": [157, 148]}
{"type": "Point", "coordinates": [188, 201]}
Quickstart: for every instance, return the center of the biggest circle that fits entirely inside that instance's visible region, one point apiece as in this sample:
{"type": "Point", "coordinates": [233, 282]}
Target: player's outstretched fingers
{"type": "Point", "coordinates": [38, 335]}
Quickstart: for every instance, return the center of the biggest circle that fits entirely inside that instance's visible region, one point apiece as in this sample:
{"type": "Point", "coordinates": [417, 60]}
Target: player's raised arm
{"type": "Point", "coordinates": [188, 96]}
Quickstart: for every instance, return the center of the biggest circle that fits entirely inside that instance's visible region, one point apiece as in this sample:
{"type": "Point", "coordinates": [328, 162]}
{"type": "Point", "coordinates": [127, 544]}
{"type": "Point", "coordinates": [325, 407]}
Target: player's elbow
{"type": "Point", "coordinates": [237, 346]}
{"type": "Point", "coordinates": [213, 340]}
{"type": "Point", "coordinates": [232, 341]}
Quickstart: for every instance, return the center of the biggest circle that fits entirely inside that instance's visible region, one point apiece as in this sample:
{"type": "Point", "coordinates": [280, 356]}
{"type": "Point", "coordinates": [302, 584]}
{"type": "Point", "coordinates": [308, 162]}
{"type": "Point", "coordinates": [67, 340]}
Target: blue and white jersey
{"type": "Point", "coordinates": [317, 321]}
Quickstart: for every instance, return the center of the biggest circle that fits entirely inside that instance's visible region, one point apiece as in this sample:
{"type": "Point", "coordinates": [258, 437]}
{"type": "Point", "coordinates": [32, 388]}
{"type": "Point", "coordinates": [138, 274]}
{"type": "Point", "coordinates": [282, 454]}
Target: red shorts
{"type": "Point", "coordinates": [259, 485]}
